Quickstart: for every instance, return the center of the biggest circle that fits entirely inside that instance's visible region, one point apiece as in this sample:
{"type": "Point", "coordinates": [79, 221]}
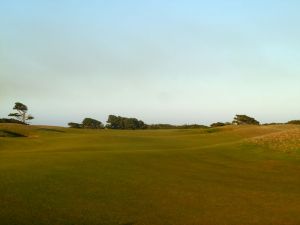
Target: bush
{"type": "Point", "coordinates": [92, 124]}
{"type": "Point", "coordinates": [161, 126]}
{"type": "Point", "coordinates": [218, 124]}
{"type": "Point", "coordinates": [74, 125]}
{"type": "Point", "coordinates": [170, 126]}
{"type": "Point", "coordinates": [296, 122]}
{"type": "Point", "coordinates": [271, 124]}
{"type": "Point", "coordinates": [191, 126]}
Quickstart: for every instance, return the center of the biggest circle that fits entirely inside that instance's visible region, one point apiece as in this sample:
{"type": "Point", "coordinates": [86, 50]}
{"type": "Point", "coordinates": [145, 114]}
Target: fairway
{"type": "Point", "coordinates": [218, 176]}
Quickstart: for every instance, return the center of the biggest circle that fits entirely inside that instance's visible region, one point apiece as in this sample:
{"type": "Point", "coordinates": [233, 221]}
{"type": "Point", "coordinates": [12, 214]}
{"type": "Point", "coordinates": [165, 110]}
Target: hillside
{"type": "Point", "coordinates": [228, 175]}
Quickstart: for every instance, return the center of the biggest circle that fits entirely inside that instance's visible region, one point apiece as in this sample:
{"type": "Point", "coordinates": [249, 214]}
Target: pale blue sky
{"type": "Point", "coordinates": [160, 61]}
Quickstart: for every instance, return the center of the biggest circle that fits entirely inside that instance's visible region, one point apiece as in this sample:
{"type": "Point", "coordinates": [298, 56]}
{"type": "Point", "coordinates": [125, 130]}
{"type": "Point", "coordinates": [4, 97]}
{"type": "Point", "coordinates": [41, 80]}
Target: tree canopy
{"type": "Point", "coordinates": [21, 113]}
{"type": "Point", "coordinates": [244, 120]}
{"type": "Point", "coordinates": [92, 124]}
{"type": "Point", "coordinates": [118, 122]}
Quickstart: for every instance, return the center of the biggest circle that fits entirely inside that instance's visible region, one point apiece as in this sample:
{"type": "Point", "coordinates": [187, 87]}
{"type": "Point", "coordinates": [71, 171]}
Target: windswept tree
{"type": "Point", "coordinates": [244, 120]}
{"type": "Point", "coordinates": [21, 113]}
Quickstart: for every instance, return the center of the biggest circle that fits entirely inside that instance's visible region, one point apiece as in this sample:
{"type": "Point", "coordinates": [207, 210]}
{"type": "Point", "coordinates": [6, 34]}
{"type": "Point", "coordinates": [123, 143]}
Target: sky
{"type": "Point", "coordinates": [161, 61]}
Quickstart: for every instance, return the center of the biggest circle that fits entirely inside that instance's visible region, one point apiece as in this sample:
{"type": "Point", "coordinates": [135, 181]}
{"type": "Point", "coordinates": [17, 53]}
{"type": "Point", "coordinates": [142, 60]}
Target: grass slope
{"type": "Point", "coordinates": [230, 175]}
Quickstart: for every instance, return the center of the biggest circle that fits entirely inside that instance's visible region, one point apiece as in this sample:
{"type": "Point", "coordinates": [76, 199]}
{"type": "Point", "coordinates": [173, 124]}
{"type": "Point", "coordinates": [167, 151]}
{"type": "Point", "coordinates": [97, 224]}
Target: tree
{"type": "Point", "coordinates": [74, 125]}
{"type": "Point", "coordinates": [21, 113]}
{"type": "Point", "coordinates": [92, 124]}
{"type": "Point", "coordinates": [114, 122]}
{"type": "Point", "coordinates": [244, 120]}
{"type": "Point", "coordinates": [118, 122]}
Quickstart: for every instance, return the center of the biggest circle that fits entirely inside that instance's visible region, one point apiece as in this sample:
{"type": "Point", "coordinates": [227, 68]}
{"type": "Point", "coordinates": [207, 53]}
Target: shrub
{"type": "Point", "coordinates": [92, 124]}
{"type": "Point", "coordinates": [218, 124]}
{"type": "Point", "coordinates": [170, 126]}
{"type": "Point", "coordinates": [74, 125]}
{"type": "Point", "coordinates": [297, 122]}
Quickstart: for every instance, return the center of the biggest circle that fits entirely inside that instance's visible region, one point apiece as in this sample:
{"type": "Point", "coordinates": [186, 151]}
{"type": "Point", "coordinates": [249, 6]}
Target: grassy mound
{"type": "Point", "coordinates": [19, 130]}
{"type": "Point", "coordinates": [15, 130]}
{"type": "Point", "coordinates": [287, 140]}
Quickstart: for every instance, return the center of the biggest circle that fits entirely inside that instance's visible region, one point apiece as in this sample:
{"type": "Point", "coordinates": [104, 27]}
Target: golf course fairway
{"type": "Point", "coordinates": [216, 176]}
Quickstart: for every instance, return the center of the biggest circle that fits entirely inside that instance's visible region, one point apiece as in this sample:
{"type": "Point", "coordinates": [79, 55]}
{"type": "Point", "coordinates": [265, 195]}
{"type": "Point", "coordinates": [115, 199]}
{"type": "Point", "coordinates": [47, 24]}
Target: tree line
{"type": "Point", "coordinates": [21, 116]}
{"type": "Point", "coordinates": [113, 122]}
{"type": "Point", "coordinates": [124, 123]}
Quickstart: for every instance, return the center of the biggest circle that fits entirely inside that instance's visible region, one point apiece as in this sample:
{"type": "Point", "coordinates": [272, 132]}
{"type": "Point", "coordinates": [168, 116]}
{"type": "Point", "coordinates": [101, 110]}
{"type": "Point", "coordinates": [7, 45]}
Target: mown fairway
{"type": "Point", "coordinates": [230, 175]}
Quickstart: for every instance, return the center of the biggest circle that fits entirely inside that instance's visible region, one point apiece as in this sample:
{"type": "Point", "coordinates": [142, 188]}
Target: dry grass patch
{"type": "Point", "coordinates": [284, 141]}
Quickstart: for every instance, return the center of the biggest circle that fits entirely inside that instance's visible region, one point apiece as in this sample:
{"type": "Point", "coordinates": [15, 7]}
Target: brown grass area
{"type": "Point", "coordinates": [284, 141]}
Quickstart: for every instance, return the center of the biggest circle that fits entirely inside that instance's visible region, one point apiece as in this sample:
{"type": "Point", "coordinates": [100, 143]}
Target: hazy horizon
{"type": "Point", "coordinates": [159, 61]}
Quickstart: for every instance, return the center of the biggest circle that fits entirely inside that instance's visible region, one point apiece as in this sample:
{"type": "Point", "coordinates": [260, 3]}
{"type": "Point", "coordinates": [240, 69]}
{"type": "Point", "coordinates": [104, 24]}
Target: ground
{"type": "Point", "coordinates": [223, 176]}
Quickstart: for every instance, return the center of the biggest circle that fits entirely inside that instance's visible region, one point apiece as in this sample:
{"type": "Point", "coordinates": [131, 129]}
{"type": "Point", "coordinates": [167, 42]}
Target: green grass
{"type": "Point", "coordinates": [222, 176]}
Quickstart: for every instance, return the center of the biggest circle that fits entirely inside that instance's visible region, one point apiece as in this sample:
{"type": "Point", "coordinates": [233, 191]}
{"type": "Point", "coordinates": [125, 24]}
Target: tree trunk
{"type": "Point", "coordinates": [23, 117]}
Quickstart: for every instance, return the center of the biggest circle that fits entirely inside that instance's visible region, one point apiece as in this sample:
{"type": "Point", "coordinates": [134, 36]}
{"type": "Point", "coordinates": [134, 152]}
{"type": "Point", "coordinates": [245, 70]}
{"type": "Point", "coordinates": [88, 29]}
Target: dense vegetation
{"type": "Point", "coordinates": [124, 123]}
{"type": "Point", "coordinates": [87, 123]}
{"type": "Point", "coordinates": [220, 124]}
{"type": "Point", "coordinates": [297, 122]}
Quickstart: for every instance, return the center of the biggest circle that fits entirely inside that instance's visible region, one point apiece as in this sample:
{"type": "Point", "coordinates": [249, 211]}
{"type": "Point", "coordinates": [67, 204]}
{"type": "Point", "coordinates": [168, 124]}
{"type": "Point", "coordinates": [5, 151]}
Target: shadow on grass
{"type": "Point", "coordinates": [51, 130]}
{"type": "Point", "coordinates": [5, 133]}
